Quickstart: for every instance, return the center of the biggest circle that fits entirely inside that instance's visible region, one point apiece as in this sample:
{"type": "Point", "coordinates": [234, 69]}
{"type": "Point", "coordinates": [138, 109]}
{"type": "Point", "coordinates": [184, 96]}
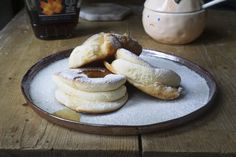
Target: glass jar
{"type": "Point", "coordinates": [53, 19]}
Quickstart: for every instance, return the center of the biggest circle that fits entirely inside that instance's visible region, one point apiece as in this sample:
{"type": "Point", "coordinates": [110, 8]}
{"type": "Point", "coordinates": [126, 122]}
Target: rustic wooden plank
{"type": "Point", "coordinates": [22, 131]}
{"type": "Point", "coordinates": [215, 133]}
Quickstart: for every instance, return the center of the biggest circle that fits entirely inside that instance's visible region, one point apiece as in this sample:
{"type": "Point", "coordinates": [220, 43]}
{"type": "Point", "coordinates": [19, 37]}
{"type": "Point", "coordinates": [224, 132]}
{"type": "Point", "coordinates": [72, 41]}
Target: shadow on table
{"type": "Point", "coordinates": [214, 36]}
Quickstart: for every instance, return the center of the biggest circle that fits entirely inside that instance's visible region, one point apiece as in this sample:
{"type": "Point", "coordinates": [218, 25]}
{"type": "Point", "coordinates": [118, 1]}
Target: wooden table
{"type": "Point", "coordinates": [24, 133]}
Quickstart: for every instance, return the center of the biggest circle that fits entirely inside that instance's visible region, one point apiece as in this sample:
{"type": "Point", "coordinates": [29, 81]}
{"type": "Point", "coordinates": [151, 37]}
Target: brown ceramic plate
{"type": "Point", "coordinates": [141, 114]}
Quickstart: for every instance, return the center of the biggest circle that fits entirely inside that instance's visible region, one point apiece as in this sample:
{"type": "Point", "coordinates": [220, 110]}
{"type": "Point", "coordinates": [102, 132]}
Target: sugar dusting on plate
{"type": "Point", "coordinates": [140, 109]}
{"type": "Point", "coordinates": [42, 87]}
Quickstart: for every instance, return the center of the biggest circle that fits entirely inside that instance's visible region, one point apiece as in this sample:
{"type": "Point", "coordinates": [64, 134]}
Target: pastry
{"type": "Point", "coordinates": [81, 105]}
{"type": "Point", "coordinates": [97, 90]}
{"type": "Point", "coordinates": [111, 95]}
{"type": "Point", "coordinates": [90, 90]}
{"type": "Point", "coordinates": [164, 76]}
{"type": "Point", "coordinates": [160, 83]}
{"type": "Point", "coordinates": [90, 79]}
{"type": "Point", "coordinates": [100, 47]}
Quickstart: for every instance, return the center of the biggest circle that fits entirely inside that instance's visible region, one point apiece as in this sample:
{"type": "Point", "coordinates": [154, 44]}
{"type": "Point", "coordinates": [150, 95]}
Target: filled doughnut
{"type": "Point", "coordinates": [90, 90]}
{"type": "Point", "coordinates": [160, 83]}
{"type": "Point", "coordinates": [100, 47]}
{"type": "Point", "coordinates": [90, 79]}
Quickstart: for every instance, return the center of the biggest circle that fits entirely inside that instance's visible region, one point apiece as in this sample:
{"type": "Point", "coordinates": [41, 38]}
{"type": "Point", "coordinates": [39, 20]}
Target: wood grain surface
{"type": "Point", "coordinates": [24, 133]}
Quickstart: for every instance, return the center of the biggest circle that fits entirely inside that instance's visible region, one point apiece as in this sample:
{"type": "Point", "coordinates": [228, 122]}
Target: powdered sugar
{"type": "Point", "coordinates": [140, 109]}
{"type": "Point", "coordinates": [42, 87]}
{"type": "Point", "coordinates": [77, 74]}
{"type": "Point", "coordinates": [108, 79]}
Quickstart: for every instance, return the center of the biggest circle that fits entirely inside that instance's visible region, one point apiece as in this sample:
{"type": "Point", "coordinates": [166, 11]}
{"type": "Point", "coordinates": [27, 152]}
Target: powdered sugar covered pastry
{"type": "Point", "coordinates": [90, 90]}
{"type": "Point", "coordinates": [101, 46]}
{"type": "Point", "coordinates": [90, 79]}
{"type": "Point", "coordinates": [81, 105]}
{"type": "Point", "coordinates": [160, 83]}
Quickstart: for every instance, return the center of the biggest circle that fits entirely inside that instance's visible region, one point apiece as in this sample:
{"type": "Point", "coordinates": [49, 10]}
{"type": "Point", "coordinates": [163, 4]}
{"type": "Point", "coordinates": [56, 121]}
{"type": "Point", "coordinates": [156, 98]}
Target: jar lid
{"type": "Point", "coordinates": [174, 6]}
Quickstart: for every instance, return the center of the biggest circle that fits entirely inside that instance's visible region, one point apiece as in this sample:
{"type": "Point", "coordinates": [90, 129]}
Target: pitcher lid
{"type": "Point", "coordinates": [174, 6]}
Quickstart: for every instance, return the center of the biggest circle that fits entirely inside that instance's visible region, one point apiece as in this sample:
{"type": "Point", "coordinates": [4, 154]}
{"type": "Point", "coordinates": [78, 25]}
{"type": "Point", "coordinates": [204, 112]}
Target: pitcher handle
{"type": "Point", "coordinates": [209, 4]}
